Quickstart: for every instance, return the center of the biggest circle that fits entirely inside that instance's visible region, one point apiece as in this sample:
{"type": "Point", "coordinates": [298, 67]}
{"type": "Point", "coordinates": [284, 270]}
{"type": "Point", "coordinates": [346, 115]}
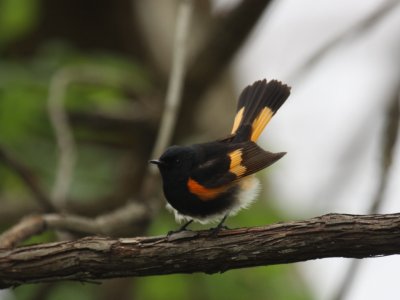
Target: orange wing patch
{"type": "Point", "coordinates": [236, 166]}
{"type": "Point", "coordinates": [204, 193]}
{"type": "Point", "coordinates": [260, 122]}
{"type": "Point", "coordinates": [238, 120]}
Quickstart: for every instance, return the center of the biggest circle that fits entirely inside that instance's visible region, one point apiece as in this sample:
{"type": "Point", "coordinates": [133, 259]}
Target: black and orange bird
{"type": "Point", "coordinates": [211, 181]}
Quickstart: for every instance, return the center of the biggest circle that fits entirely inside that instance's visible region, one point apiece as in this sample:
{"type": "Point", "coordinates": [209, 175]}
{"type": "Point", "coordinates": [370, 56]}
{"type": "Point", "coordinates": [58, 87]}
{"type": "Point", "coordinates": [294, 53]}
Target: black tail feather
{"type": "Point", "coordinates": [252, 101]}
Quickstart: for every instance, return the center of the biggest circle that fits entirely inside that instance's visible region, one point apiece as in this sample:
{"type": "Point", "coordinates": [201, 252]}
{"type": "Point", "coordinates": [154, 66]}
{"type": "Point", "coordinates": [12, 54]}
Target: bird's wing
{"type": "Point", "coordinates": [217, 174]}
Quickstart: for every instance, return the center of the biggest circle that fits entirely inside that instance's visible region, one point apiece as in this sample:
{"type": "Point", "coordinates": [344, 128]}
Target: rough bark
{"type": "Point", "coordinates": [96, 258]}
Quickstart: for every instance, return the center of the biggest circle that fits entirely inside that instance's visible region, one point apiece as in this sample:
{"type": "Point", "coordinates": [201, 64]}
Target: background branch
{"type": "Point", "coordinates": [63, 133]}
{"type": "Point", "coordinates": [173, 101]}
{"type": "Point", "coordinates": [174, 91]}
{"type": "Point", "coordinates": [94, 258]}
{"type": "Point", "coordinates": [59, 85]}
{"type": "Point", "coordinates": [227, 36]}
{"type": "Point", "coordinates": [356, 30]}
{"type": "Point", "coordinates": [124, 217]}
{"type": "Point", "coordinates": [28, 177]}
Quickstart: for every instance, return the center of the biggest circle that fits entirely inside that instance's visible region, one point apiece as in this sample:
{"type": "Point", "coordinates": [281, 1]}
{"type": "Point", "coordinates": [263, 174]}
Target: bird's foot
{"type": "Point", "coordinates": [180, 229]}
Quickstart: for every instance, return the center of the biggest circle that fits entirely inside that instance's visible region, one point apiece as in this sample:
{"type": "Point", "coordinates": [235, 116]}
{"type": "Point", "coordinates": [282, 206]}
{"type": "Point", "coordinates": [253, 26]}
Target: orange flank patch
{"type": "Point", "coordinates": [238, 119]}
{"type": "Point", "coordinates": [236, 166]}
{"type": "Point", "coordinates": [204, 193]}
{"type": "Point", "coordinates": [260, 122]}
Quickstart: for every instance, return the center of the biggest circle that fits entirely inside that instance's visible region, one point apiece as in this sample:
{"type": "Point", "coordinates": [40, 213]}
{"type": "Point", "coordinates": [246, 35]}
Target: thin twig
{"type": "Point", "coordinates": [16, 208]}
{"type": "Point", "coordinates": [389, 142]}
{"type": "Point", "coordinates": [28, 177]}
{"type": "Point", "coordinates": [359, 27]}
{"type": "Point", "coordinates": [175, 85]}
{"type": "Point", "coordinates": [26, 228]}
{"type": "Point", "coordinates": [129, 215]}
{"type": "Point", "coordinates": [174, 91]}
{"type": "Point", "coordinates": [63, 133]}
{"type": "Point", "coordinates": [59, 85]}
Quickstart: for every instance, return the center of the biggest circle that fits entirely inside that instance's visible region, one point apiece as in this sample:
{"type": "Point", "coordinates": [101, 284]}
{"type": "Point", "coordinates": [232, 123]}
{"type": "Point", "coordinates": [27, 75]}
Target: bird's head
{"type": "Point", "coordinates": [176, 162]}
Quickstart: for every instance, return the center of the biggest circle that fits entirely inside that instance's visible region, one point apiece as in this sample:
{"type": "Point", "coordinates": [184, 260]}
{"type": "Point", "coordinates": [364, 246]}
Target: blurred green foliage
{"type": "Point", "coordinates": [16, 18]}
{"type": "Point", "coordinates": [24, 124]}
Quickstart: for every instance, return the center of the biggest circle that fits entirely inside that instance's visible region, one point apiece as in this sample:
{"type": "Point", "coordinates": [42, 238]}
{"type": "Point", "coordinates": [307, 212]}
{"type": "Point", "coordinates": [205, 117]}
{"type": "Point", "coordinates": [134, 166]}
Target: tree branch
{"type": "Point", "coordinates": [96, 258]}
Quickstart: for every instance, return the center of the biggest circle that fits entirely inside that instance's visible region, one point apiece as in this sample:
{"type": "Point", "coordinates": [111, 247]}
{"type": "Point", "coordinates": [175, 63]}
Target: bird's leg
{"type": "Point", "coordinates": [214, 231]}
{"type": "Point", "coordinates": [182, 228]}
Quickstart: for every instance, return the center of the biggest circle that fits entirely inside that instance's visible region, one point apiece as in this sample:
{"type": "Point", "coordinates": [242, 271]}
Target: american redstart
{"type": "Point", "coordinates": [211, 181]}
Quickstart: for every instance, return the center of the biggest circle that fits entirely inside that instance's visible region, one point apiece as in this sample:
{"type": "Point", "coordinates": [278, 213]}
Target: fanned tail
{"type": "Point", "coordinates": [257, 105]}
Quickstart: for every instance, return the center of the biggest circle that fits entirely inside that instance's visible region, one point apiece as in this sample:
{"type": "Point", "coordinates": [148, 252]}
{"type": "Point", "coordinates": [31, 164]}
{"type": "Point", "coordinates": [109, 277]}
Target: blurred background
{"type": "Point", "coordinates": [105, 65]}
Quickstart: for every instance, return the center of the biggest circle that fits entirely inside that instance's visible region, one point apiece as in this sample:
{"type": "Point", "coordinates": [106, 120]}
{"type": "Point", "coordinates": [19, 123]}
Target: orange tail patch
{"type": "Point", "coordinates": [238, 120]}
{"type": "Point", "coordinates": [236, 166]}
{"type": "Point", "coordinates": [260, 122]}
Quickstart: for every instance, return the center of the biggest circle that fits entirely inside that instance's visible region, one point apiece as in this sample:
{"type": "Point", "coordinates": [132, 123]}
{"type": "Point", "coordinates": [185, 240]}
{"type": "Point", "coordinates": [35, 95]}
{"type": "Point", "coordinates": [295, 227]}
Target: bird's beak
{"type": "Point", "coordinates": [156, 162]}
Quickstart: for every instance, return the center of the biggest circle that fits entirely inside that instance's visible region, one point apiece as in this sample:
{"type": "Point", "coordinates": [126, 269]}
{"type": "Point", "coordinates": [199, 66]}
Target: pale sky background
{"type": "Point", "coordinates": [332, 124]}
